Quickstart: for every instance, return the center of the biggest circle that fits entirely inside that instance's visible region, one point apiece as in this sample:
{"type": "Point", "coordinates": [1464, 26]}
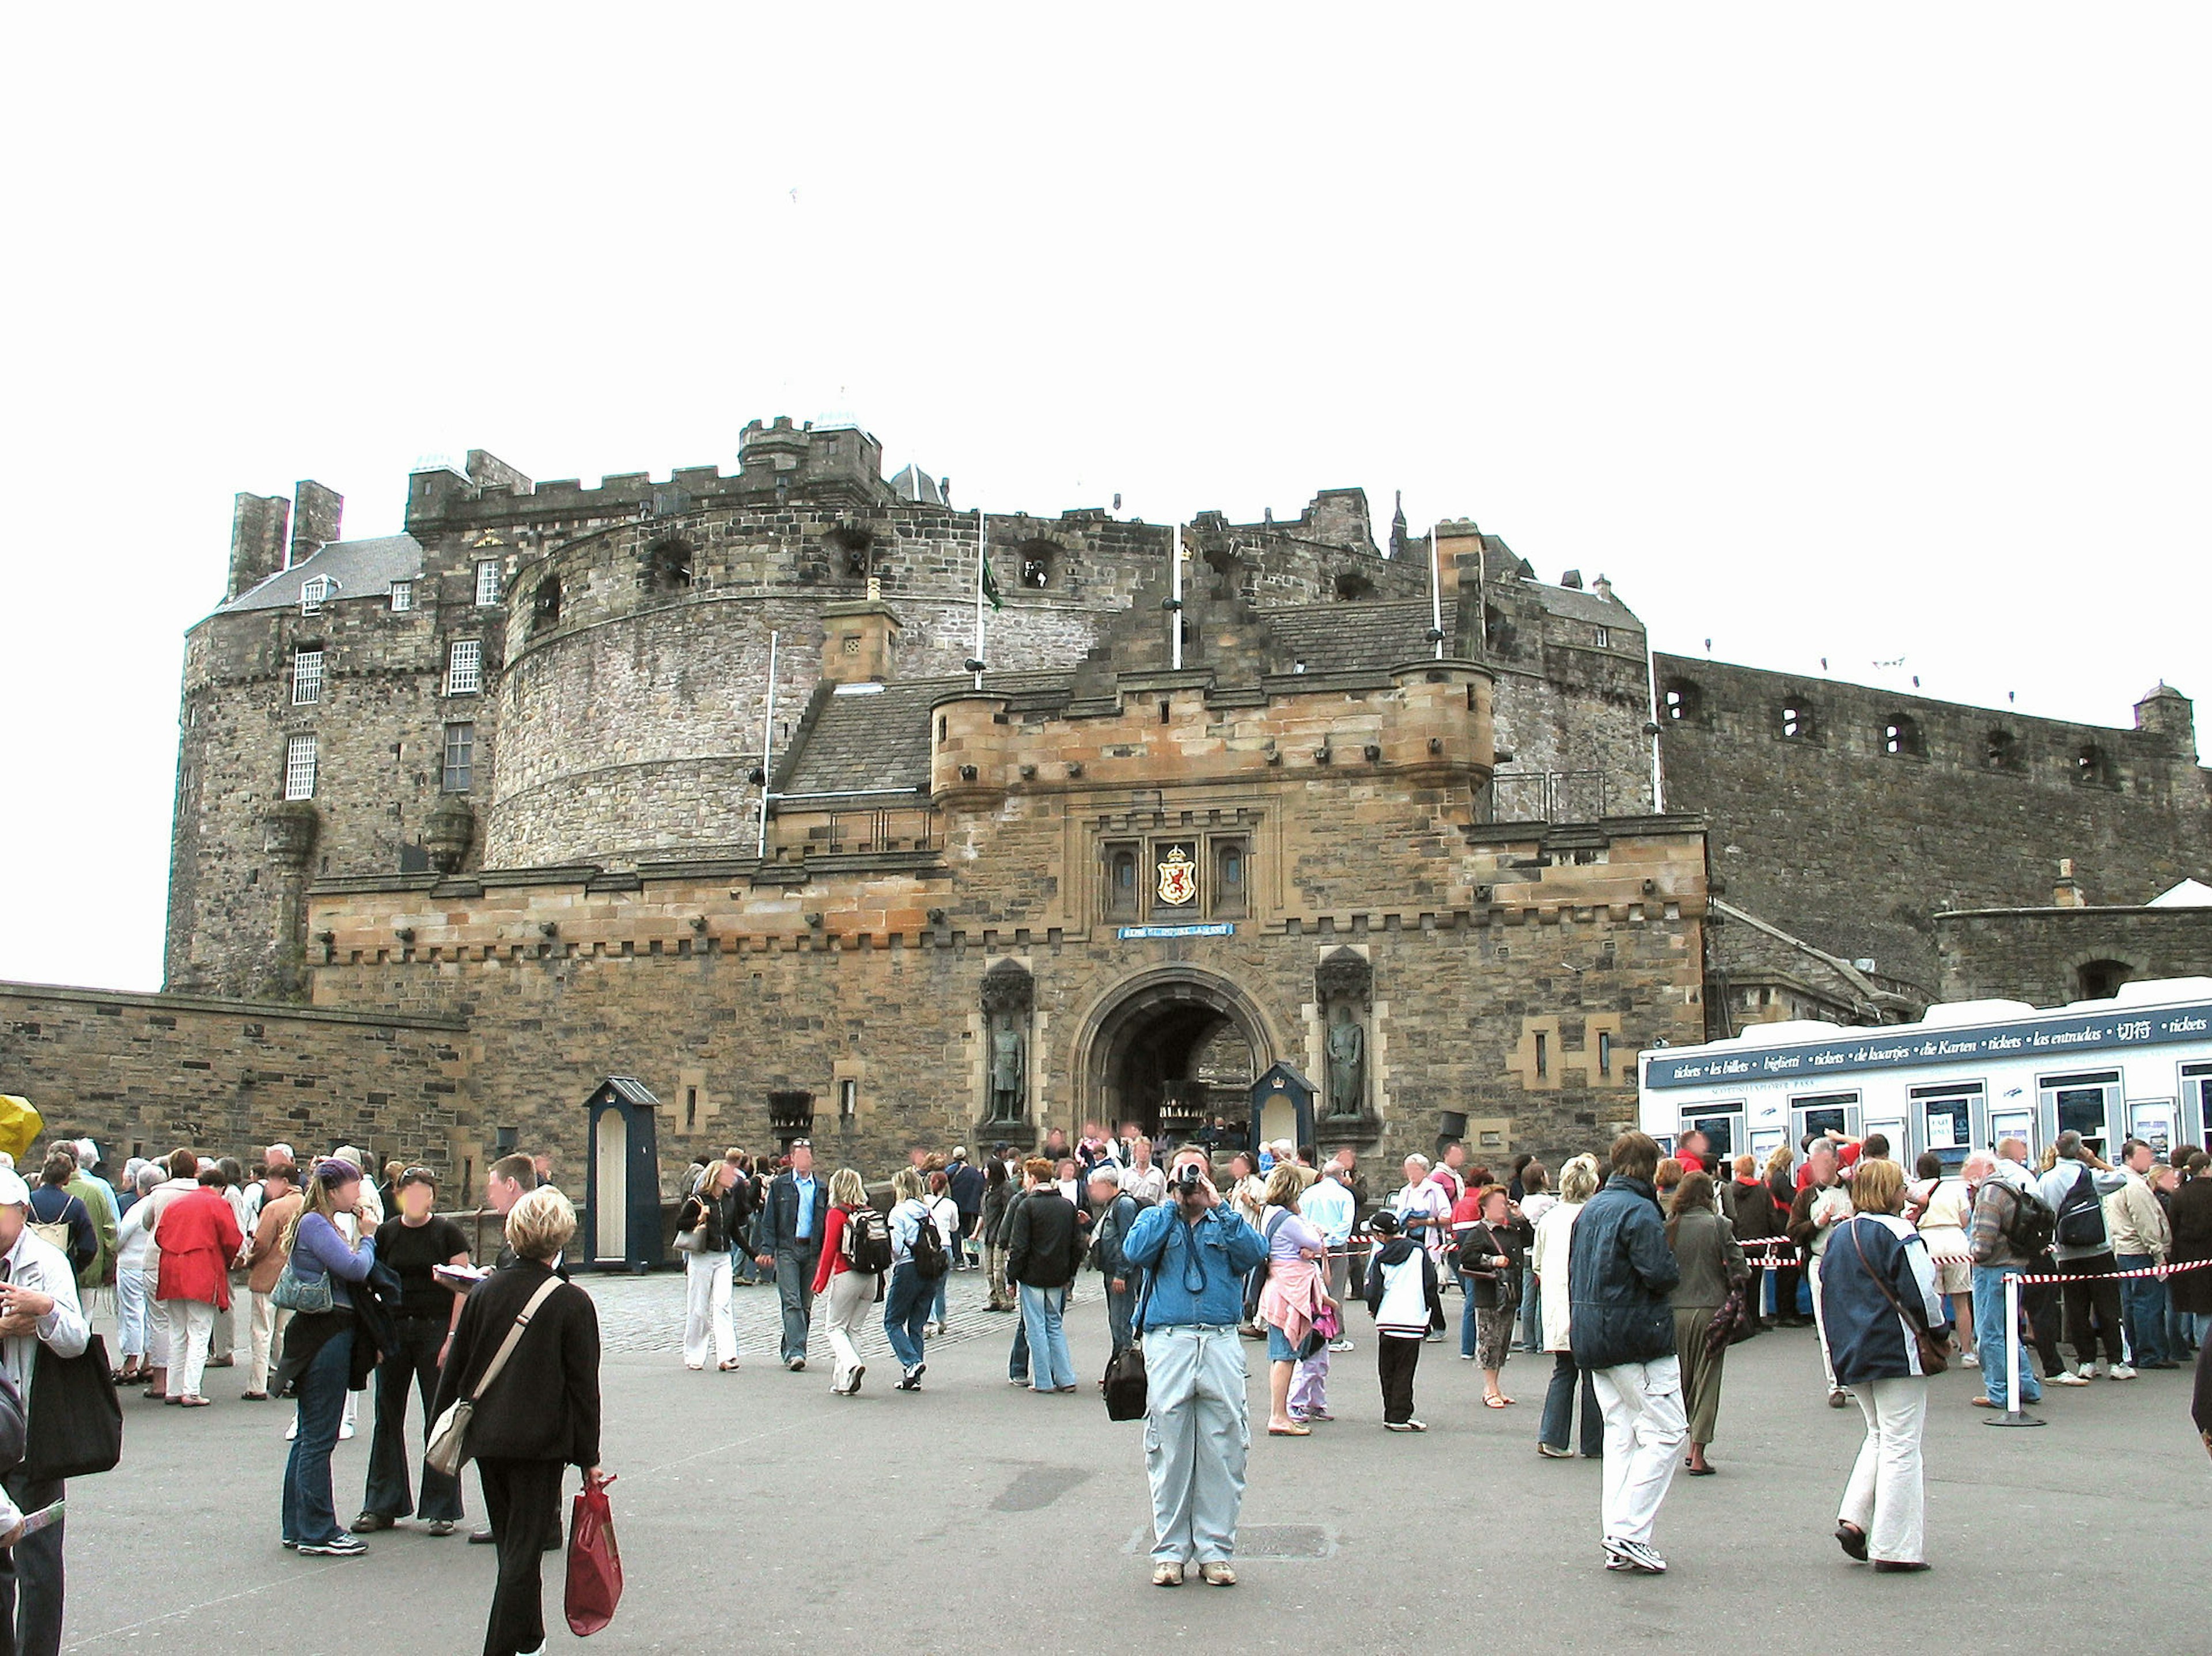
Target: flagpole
{"type": "Point", "coordinates": [982, 563]}
{"type": "Point", "coordinates": [1175, 608]}
{"type": "Point", "coordinates": [1435, 589]}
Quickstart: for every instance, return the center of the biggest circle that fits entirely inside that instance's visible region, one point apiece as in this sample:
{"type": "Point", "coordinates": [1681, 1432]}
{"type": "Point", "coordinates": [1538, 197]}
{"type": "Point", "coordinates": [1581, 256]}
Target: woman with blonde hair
{"type": "Point", "coordinates": [1548, 1258]}
{"type": "Point", "coordinates": [1292, 1295]}
{"type": "Point", "coordinates": [708, 1222]}
{"type": "Point", "coordinates": [907, 1301]}
{"type": "Point", "coordinates": [1712, 1266]}
{"type": "Point", "coordinates": [846, 1270]}
{"type": "Point", "coordinates": [1781, 1173]}
{"type": "Point", "coordinates": [540, 1413]}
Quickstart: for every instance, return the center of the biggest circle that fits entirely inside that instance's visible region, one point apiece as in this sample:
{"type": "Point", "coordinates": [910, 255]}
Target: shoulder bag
{"type": "Point", "coordinates": [448, 1450]}
{"type": "Point", "coordinates": [1934, 1348]}
{"type": "Point", "coordinates": [309, 1295]}
{"type": "Point", "coordinates": [1127, 1386]}
{"type": "Point", "coordinates": [694, 1240]}
{"type": "Point", "coordinates": [76, 1424]}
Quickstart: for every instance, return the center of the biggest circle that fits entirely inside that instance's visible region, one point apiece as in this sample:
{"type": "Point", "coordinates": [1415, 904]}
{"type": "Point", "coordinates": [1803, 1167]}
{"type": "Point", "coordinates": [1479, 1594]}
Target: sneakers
{"type": "Point", "coordinates": [1405, 1426]}
{"type": "Point", "coordinates": [370, 1523]}
{"type": "Point", "coordinates": [1970, 1360]}
{"type": "Point", "coordinates": [795, 1364]}
{"type": "Point", "coordinates": [2064, 1377]}
{"type": "Point", "coordinates": [1839, 1398]}
{"type": "Point", "coordinates": [1466, 1356]}
{"type": "Point", "coordinates": [2088, 1371]}
{"type": "Point", "coordinates": [1167, 1575]}
{"type": "Point", "coordinates": [2121, 1371]}
{"type": "Point", "coordinates": [852, 1383]}
{"type": "Point", "coordinates": [1621, 1554]}
{"type": "Point", "coordinates": [911, 1380]}
{"type": "Point", "coordinates": [344, 1547]}
{"type": "Point", "coordinates": [1339, 1346]}
{"type": "Point", "coordinates": [1217, 1574]}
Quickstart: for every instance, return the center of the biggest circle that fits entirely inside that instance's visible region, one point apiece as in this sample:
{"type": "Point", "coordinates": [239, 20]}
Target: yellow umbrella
{"type": "Point", "coordinates": [20, 1124]}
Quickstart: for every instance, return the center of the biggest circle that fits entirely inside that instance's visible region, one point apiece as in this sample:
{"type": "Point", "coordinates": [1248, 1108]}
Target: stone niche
{"type": "Point", "coordinates": [1009, 999]}
{"type": "Point", "coordinates": [1344, 998]}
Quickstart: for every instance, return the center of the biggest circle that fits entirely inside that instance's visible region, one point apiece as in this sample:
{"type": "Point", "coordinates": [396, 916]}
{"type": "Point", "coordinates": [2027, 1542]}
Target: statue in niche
{"type": "Point", "coordinates": [1348, 1063]}
{"type": "Point", "coordinates": [1008, 1068]}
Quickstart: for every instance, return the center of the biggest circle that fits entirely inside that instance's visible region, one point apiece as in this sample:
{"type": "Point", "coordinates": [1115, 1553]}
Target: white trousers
{"type": "Point", "coordinates": [157, 1323]}
{"type": "Point", "coordinates": [268, 1325]}
{"type": "Point", "coordinates": [1820, 1322]}
{"type": "Point", "coordinates": [196, 1319]}
{"type": "Point", "coordinates": [134, 1292]}
{"type": "Point", "coordinates": [1644, 1425]}
{"type": "Point", "coordinates": [1197, 1433]}
{"type": "Point", "coordinates": [1885, 1496]}
{"type": "Point", "coordinates": [707, 1309]}
{"type": "Point", "coordinates": [852, 1294]}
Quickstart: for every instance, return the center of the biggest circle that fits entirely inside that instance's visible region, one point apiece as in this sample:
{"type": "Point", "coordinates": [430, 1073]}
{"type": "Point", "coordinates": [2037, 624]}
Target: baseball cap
{"type": "Point", "coordinates": [14, 1192]}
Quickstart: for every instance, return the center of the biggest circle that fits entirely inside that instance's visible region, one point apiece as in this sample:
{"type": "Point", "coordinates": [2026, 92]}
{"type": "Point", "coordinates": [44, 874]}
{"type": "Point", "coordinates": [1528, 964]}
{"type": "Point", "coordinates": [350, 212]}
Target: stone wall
{"type": "Point", "coordinates": [1853, 847]}
{"type": "Point", "coordinates": [144, 1074]}
{"type": "Point", "coordinates": [2037, 955]}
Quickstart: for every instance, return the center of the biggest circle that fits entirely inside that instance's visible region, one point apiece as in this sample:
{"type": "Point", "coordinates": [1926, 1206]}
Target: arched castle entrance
{"type": "Point", "coordinates": [1170, 1047]}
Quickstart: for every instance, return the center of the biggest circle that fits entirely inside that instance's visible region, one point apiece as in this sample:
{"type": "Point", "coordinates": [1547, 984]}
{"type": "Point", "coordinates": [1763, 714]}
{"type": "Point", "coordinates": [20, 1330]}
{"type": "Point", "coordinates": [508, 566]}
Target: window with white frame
{"type": "Point", "coordinates": [312, 594]}
{"type": "Point", "coordinates": [300, 767]}
{"type": "Point", "coordinates": [488, 582]}
{"type": "Point", "coordinates": [1605, 637]}
{"type": "Point", "coordinates": [460, 757]}
{"type": "Point", "coordinates": [464, 667]}
{"type": "Point", "coordinates": [402, 595]}
{"type": "Point", "coordinates": [307, 677]}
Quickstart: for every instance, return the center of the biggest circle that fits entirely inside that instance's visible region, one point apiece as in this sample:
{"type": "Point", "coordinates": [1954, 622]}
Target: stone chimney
{"type": "Point", "coordinates": [315, 513]}
{"type": "Point", "coordinates": [2066, 892]}
{"type": "Point", "coordinates": [256, 539]}
{"type": "Point", "coordinates": [859, 641]}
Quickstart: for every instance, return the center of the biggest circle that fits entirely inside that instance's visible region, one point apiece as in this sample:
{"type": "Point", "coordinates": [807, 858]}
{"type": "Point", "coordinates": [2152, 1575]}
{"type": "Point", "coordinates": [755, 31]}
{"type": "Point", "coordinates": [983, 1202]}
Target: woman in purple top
{"type": "Point", "coordinates": [1292, 1294]}
{"type": "Point", "coordinates": [319, 1352]}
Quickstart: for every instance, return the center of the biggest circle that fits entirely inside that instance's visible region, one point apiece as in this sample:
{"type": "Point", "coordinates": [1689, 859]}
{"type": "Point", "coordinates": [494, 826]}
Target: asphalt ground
{"type": "Point", "coordinates": [754, 1511]}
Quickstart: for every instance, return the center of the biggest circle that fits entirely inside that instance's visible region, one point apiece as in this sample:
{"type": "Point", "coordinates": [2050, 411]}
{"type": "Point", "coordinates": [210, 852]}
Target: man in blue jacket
{"type": "Point", "coordinates": [1620, 1272]}
{"type": "Point", "coordinates": [793, 1216]}
{"type": "Point", "coordinates": [1193, 1250]}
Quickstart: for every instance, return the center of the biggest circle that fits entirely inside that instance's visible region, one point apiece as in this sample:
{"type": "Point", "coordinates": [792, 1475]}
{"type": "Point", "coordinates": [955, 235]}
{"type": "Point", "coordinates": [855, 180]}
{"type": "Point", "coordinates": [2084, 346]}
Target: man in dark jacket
{"type": "Point", "coordinates": [793, 1215]}
{"type": "Point", "coordinates": [1620, 1272]}
{"type": "Point", "coordinates": [964, 1185]}
{"type": "Point", "coordinates": [1044, 1247]}
{"type": "Point", "coordinates": [1117, 1211]}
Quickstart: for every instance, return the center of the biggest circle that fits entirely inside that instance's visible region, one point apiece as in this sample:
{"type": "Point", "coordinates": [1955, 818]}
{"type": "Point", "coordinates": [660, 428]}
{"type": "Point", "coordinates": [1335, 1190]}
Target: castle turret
{"type": "Point", "coordinates": [2168, 713]}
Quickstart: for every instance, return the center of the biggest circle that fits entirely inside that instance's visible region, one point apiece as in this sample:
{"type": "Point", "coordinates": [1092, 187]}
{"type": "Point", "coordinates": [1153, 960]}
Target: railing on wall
{"type": "Point", "coordinates": [1548, 797]}
{"type": "Point", "coordinates": [834, 833]}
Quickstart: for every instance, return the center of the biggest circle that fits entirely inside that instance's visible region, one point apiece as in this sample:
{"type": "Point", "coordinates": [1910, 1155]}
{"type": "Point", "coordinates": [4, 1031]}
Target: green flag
{"type": "Point", "coordinates": [990, 587]}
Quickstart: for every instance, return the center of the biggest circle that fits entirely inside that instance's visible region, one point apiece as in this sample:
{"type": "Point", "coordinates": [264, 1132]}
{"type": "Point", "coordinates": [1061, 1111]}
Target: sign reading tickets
{"type": "Point", "coordinates": [1210, 929]}
{"type": "Point", "coordinates": [1907, 1046]}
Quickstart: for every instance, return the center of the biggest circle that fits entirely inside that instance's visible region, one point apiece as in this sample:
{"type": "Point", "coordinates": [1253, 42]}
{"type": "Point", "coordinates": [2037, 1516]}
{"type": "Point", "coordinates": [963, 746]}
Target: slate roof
{"type": "Point", "coordinates": [355, 569]}
{"type": "Point", "coordinates": [881, 739]}
{"type": "Point", "coordinates": [1579, 606]}
{"type": "Point", "coordinates": [1342, 638]}
{"type": "Point", "coordinates": [913, 483]}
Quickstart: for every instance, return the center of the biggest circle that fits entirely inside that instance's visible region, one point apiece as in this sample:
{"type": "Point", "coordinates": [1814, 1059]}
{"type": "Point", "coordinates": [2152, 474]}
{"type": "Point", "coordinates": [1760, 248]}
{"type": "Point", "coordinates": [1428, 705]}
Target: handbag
{"type": "Point", "coordinates": [74, 1426]}
{"type": "Point", "coordinates": [448, 1449]}
{"type": "Point", "coordinates": [1934, 1348]}
{"type": "Point", "coordinates": [1127, 1386]}
{"type": "Point", "coordinates": [308, 1295]}
{"type": "Point", "coordinates": [595, 1572]}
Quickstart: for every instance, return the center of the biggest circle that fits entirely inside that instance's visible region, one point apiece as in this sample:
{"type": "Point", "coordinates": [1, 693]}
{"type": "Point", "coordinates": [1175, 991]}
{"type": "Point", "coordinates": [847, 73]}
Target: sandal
{"type": "Point", "coordinates": [1289, 1431]}
{"type": "Point", "coordinates": [192, 1403]}
{"type": "Point", "coordinates": [1494, 1402]}
{"type": "Point", "coordinates": [729, 1367]}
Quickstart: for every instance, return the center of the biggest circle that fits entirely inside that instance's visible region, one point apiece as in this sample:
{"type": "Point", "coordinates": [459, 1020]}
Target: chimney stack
{"type": "Point", "coordinates": [315, 513]}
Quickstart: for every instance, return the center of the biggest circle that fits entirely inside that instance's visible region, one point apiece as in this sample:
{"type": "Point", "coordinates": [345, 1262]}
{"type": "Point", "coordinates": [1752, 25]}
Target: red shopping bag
{"type": "Point", "coordinates": [595, 1577]}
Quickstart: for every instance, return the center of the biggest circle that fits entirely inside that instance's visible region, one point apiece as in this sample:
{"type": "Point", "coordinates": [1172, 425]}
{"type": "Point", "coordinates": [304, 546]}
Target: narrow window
{"type": "Point", "coordinates": [1229, 877]}
{"type": "Point", "coordinates": [464, 667]}
{"type": "Point", "coordinates": [1121, 882]}
{"type": "Point", "coordinates": [546, 605]}
{"type": "Point", "coordinates": [2001, 751]}
{"type": "Point", "coordinates": [307, 677]}
{"type": "Point", "coordinates": [312, 594]}
{"type": "Point", "coordinates": [1543, 1055]}
{"type": "Point", "coordinates": [460, 757]}
{"type": "Point", "coordinates": [1604, 1052]}
{"type": "Point", "coordinates": [690, 1109]}
{"type": "Point", "coordinates": [487, 583]}
{"type": "Point", "coordinates": [1678, 700]}
{"type": "Point", "coordinates": [1605, 637]}
{"type": "Point", "coordinates": [402, 596]}
{"type": "Point", "coordinates": [1900, 736]}
{"type": "Point", "coordinates": [848, 1099]}
{"type": "Point", "coordinates": [1796, 721]}
{"type": "Point", "coordinates": [300, 767]}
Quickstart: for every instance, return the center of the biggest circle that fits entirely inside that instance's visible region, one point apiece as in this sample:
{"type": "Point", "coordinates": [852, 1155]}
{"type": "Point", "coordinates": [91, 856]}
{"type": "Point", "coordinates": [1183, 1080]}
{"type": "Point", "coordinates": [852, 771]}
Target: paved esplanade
{"type": "Point", "coordinates": [756, 1511]}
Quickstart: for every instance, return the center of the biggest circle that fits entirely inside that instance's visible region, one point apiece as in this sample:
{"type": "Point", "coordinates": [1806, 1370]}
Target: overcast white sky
{"type": "Point", "coordinates": [1862, 332]}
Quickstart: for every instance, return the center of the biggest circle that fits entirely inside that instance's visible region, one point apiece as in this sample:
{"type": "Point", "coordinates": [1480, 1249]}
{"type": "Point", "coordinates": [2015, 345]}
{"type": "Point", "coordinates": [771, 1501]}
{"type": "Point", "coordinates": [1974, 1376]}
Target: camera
{"type": "Point", "coordinates": [1186, 1179]}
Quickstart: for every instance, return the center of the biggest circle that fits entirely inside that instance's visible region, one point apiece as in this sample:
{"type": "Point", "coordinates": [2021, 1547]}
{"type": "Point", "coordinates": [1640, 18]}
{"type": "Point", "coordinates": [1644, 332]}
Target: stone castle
{"type": "Point", "coordinates": [710, 783]}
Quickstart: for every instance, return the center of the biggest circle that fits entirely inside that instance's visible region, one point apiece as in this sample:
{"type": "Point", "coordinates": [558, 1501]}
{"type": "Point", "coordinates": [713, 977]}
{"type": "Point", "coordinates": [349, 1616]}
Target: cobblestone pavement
{"type": "Point", "coordinates": [644, 1315]}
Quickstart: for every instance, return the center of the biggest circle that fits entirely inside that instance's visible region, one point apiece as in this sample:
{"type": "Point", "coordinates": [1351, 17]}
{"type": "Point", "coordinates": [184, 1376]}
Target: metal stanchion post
{"type": "Point", "coordinates": [2013, 1415]}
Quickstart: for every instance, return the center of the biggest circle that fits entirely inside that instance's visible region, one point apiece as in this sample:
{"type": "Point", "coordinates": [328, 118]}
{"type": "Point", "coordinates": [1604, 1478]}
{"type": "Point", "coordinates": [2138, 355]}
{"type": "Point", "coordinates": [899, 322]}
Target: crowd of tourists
{"type": "Point", "coordinates": [1634, 1273]}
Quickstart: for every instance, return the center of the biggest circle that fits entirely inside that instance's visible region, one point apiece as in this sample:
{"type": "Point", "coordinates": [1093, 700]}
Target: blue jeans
{"type": "Point", "coordinates": [1993, 1340]}
{"type": "Point", "coordinates": [1017, 1360]}
{"type": "Point", "coordinates": [794, 1287]}
{"type": "Point", "coordinates": [307, 1517]}
{"type": "Point", "coordinates": [1559, 1407]}
{"type": "Point", "coordinates": [937, 1300]}
{"type": "Point", "coordinates": [906, 1312]}
{"type": "Point", "coordinates": [1466, 1317]}
{"type": "Point", "coordinates": [1042, 1307]}
{"type": "Point", "coordinates": [1120, 1308]}
{"type": "Point", "coordinates": [2142, 1311]}
{"type": "Point", "coordinates": [1532, 1311]}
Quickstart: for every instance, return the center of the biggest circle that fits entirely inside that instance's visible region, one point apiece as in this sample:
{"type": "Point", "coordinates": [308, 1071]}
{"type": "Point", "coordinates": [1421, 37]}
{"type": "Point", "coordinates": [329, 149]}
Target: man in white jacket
{"type": "Point", "coordinates": [38, 1305]}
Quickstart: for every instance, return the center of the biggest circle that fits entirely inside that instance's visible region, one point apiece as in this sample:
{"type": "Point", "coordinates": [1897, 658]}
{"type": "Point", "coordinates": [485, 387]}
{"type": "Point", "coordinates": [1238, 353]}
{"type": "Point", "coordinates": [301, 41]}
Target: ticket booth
{"type": "Point", "coordinates": [620, 1228]}
{"type": "Point", "coordinates": [1282, 1107]}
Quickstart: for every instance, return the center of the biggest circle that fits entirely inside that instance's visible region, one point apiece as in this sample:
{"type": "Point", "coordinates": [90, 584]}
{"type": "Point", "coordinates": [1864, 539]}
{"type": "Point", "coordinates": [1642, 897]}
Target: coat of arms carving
{"type": "Point", "coordinates": [1178, 886]}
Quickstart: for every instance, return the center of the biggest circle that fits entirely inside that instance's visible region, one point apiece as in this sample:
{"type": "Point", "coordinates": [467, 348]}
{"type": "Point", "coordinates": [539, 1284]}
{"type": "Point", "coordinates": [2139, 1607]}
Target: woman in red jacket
{"type": "Point", "coordinates": [198, 1236]}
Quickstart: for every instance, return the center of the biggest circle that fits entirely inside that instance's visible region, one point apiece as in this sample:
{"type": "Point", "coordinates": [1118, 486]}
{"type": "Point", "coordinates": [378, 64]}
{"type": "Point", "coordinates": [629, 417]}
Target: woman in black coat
{"type": "Point", "coordinates": [2192, 1239]}
{"type": "Point", "coordinates": [540, 1414]}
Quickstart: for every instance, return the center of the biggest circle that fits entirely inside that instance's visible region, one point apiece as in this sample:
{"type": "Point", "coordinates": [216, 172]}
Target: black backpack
{"type": "Point", "coordinates": [2081, 1222]}
{"type": "Point", "coordinates": [2029, 1226]}
{"type": "Point", "coordinates": [867, 1243]}
{"type": "Point", "coordinates": [927, 1251]}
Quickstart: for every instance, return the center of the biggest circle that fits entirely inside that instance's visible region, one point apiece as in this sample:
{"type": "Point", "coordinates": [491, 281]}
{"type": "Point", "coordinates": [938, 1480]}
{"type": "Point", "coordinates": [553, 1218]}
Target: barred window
{"type": "Point", "coordinates": [460, 757]}
{"type": "Point", "coordinates": [488, 582]}
{"type": "Point", "coordinates": [312, 594]}
{"type": "Point", "coordinates": [402, 595]}
{"type": "Point", "coordinates": [300, 767]}
{"type": "Point", "coordinates": [307, 677]}
{"type": "Point", "coordinates": [464, 667]}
